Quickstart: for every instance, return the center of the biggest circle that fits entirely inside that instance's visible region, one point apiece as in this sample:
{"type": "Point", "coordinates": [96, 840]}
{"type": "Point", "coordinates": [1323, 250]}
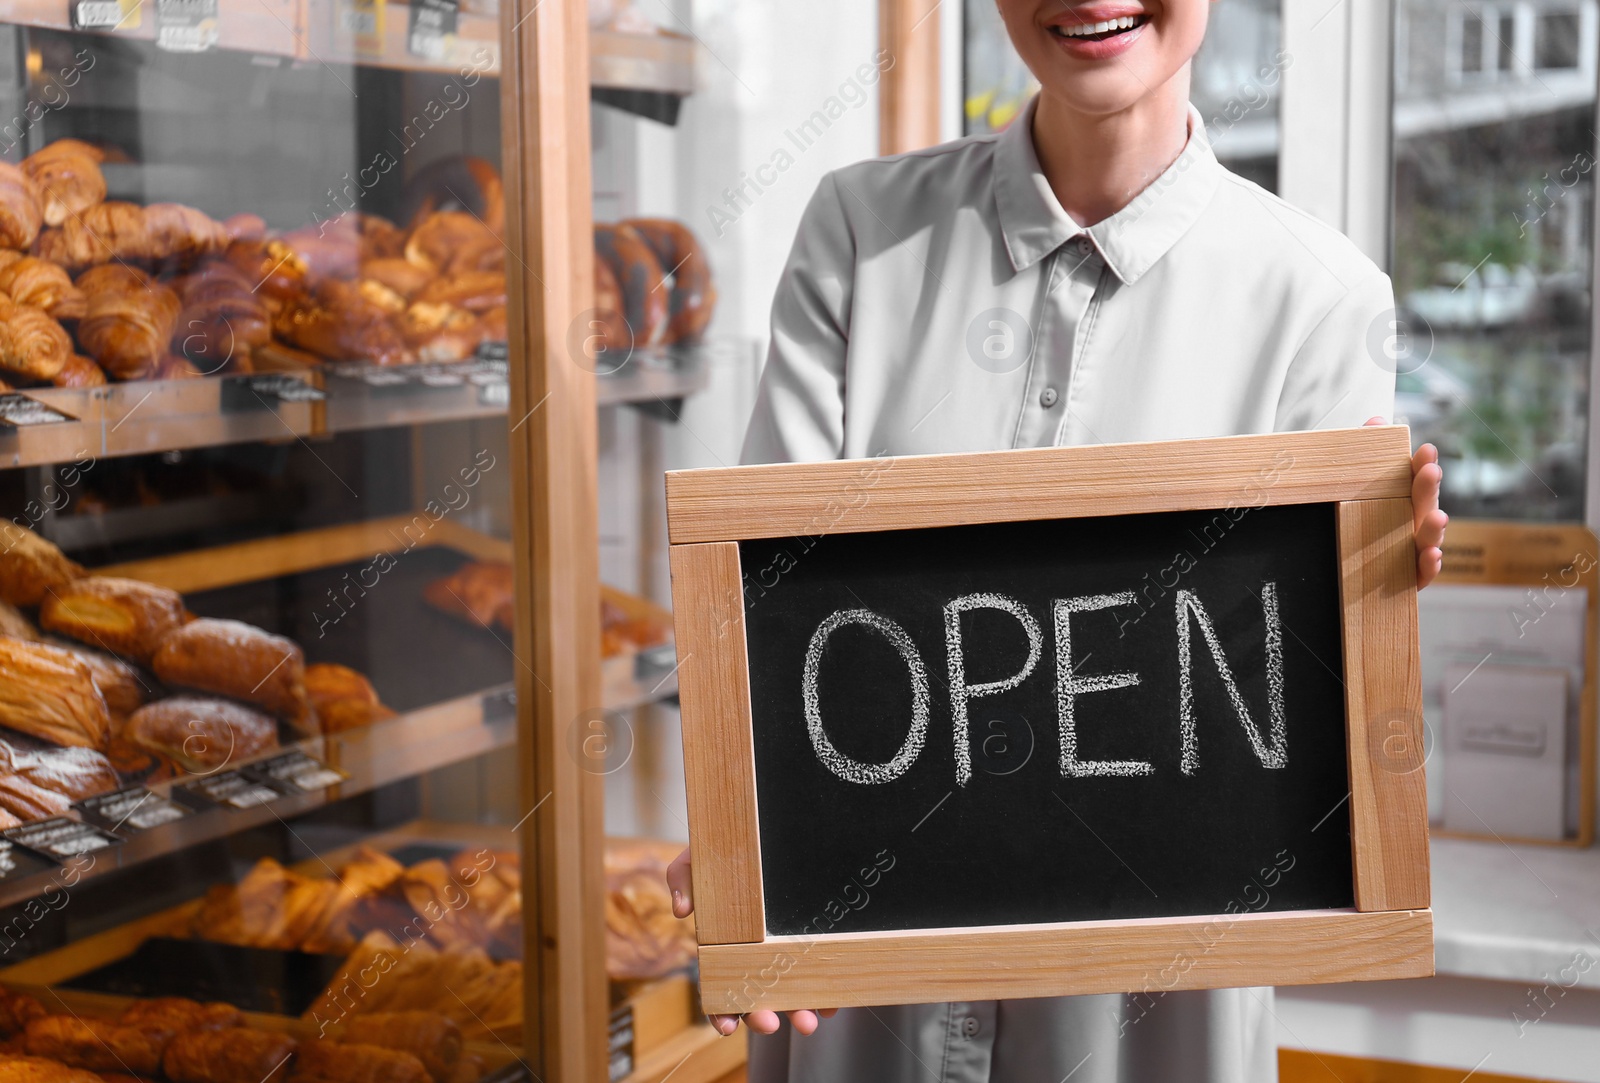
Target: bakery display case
{"type": "Point", "coordinates": [301, 360]}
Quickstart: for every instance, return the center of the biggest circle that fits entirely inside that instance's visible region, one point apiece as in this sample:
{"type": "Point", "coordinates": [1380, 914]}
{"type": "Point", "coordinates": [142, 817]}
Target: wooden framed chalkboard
{"type": "Point", "coordinates": [1119, 718]}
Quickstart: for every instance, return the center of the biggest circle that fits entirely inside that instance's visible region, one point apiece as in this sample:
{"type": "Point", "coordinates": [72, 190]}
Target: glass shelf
{"type": "Point", "coordinates": [143, 417]}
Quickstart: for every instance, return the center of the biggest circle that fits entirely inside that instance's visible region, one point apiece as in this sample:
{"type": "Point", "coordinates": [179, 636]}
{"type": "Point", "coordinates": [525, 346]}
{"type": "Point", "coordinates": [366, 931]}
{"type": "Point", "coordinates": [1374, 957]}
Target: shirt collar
{"type": "Point", "coordinates": [1130, 241]}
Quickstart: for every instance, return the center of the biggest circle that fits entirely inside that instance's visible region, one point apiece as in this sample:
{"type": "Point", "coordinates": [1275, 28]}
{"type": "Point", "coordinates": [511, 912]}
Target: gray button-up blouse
{"type": "Point", "coordinates": [943, 301]}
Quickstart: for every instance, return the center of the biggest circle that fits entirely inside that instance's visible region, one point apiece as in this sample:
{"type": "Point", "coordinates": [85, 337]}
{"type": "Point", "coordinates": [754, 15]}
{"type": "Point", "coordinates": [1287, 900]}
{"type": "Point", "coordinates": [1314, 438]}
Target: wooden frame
{"type": "Point", "coordinates": [1540, 556]}
{"type": "Point", "coordinates": [1388, 934]}
{"type": "Point", "coordinates": [544, 110]}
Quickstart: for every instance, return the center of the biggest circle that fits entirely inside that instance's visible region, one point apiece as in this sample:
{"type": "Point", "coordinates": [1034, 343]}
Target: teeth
{"type": "Point", "coordinates": [1126, 22]}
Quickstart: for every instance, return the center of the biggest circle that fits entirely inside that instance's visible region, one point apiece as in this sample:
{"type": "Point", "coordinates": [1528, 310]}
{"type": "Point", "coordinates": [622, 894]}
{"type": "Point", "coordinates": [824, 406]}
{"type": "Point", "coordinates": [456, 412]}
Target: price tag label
{"type": "Point", "coordinates": [18, 410]}
{"type": "Point", "coordinates": [294, 772]}
{"type": "Point", "coordinates": [258, 392]}
{"type": "Point", "coordinates": [130, 810]}
{"type": "Point", "coordinates": [433, 23]}
{"type": "Point", "coordinates": [230, 789]}
{"type": "Point", "coordinates": [105, 14]}
{"type": "Point", "coordinates": [186, 26]}
{"type": "Point", "coordinates": [361, 22]}
{"type": "Point", "coordinates": [60, 838]}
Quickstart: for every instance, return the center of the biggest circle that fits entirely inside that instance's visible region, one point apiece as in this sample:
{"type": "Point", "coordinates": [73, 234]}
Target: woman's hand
{"type": "Point", "coordinates": [1426, 477]}
{"type": "Point", "coordinates": [678, 881]}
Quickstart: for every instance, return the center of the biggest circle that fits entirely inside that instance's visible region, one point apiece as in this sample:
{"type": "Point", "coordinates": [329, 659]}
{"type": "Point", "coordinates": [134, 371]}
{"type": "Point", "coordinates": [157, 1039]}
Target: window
{"type": "Point", "coordinates": [1493, 253]}
{"type": "Point", "coordinates": [1471, 44]}
{"type": "Point", "coordinates": [1555, 40]}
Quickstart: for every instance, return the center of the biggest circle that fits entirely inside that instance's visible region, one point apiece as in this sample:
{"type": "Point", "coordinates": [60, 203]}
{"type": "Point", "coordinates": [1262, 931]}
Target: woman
{"type": "Point", "coordinates": [1091, 275]}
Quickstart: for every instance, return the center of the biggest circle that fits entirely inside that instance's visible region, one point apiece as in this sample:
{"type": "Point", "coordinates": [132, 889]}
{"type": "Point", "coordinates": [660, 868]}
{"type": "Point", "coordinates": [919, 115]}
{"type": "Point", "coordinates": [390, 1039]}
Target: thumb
{"type": "Point", "coordinates": [680, 884]}
{"type": "Point", "coordinates": [1374, 421]}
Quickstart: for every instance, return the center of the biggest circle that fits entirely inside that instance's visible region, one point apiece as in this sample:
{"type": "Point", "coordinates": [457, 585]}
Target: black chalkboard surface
{"type": "Point", "coordinates": [1161, 801]}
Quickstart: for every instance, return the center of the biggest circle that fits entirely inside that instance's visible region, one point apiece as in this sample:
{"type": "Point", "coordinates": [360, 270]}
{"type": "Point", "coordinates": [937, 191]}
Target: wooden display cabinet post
{"type": "Point", "coordinates": [551, 420]}
{"type": "Point", "coordinates": [908, 93]}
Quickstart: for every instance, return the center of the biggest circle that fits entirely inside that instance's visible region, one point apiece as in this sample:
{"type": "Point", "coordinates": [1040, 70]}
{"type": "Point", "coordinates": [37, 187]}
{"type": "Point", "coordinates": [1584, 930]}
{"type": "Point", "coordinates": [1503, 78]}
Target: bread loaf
{"type": "Point", "coordinates": [231, 658]}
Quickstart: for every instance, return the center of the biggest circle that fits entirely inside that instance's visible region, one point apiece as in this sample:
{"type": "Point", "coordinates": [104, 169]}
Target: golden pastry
{"type": "Point", "coordinates": [30, 566]}
{"type": "Point", "coordinates": [125, 616]}
{"type": "Point", "coordinates": [200, 734]}
{"type": "Point", "coordinates": [49, 694]}
{"type": "Point", "coordinates": [235, 659]}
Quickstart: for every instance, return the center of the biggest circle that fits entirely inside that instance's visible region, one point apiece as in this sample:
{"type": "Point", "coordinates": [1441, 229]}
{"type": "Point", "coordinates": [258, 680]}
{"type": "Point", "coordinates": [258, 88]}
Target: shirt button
{"type": "Point", "coordinates": [1085, 246]}
{"type": "Point", "coordinates": [970, 1027]}
{"type": "Point", "coordinates": [1047, 397]}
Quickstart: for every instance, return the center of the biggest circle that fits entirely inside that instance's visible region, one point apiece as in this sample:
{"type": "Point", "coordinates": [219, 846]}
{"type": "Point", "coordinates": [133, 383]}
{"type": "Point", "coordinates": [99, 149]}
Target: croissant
{"type": "Point", "coordinates": [69, 181]}
{"type": "Point", "coordinates": [20, 213]}
{"type": "Point", "coordinates": [124, 688]}
{"type": "Point", "coordinates": [221, 320]}
{"type": "Point", "coordinates": [79, 371]}
{"type": "Point", "coordinates": [29, 280]}
{"type": "Point", "coordinates": [245, 227]}
{"type": "Point", "coordinates": [32, 343]}
{"type": "Point", "coordinates": [476, 291]}
{"type": "Point", "coordinates": [99, 234]}
{"type": "Point", "coordinates": [341, 324]}
{"type": "Point", "coordinates": [182, 234]}
{"type": "Point", "coordinates": [128, 320]}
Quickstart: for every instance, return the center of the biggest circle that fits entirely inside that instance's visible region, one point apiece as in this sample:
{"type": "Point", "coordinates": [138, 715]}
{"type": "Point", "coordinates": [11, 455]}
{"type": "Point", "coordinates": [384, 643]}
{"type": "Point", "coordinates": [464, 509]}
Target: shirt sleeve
{"type": "Point", "coordinates": [1344, 371]}
{"type": "Point", "coordinates": [799, 411]}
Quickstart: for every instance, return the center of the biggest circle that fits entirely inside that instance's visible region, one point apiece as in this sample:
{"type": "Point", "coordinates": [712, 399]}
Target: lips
{"type": "Point", "coordinates": [1098, 31]}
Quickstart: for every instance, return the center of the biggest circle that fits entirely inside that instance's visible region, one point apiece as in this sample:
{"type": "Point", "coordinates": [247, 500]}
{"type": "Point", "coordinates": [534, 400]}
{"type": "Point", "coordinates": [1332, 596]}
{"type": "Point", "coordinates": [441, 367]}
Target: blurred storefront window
{"type": "Point", "coordinates": [1494, 154]}
{"type": "Point", "coordinates": [1236, 79]}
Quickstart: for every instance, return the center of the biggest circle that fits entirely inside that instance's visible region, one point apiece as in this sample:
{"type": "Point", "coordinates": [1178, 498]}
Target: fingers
{"type": "Point", "coordinates": [681, 885]}
{"type": "Point", "coordinates": [803, 1021]}
{"type": "Point", "coordinates": [1430, 530]}
{"type": "Point", "coordinates": [763, 1022]}
{"type": "Point", "coordinates": [1429, 564]}
{"type": "Point", "coordinates": [1373, 421]}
